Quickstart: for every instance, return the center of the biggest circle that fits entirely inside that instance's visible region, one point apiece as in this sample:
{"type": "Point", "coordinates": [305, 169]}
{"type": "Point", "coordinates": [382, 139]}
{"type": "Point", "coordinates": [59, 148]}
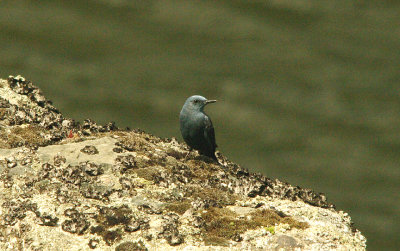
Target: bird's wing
{"type": "Point", "coordinates": [209, 132]}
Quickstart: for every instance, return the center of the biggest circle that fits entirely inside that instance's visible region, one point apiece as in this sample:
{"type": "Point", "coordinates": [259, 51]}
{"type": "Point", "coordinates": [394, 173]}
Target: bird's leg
{"type": "Point", "coordinates": [190, 150]}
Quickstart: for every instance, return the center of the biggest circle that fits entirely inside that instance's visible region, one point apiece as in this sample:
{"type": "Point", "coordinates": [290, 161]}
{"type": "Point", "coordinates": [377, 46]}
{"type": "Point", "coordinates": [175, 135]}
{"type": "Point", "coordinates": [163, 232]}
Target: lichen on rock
{"type": "Point", "coordinates": [72, 186]}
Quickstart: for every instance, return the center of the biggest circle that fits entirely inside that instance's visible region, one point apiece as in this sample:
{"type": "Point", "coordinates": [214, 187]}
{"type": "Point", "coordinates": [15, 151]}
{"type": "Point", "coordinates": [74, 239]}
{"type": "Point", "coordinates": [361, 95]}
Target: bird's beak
{"type": "Point", "coordinates": [210, 101]}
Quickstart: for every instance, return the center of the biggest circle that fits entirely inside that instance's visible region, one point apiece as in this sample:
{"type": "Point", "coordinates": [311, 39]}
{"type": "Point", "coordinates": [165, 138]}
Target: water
{"type": "Point", "coordinates": [308, 90]}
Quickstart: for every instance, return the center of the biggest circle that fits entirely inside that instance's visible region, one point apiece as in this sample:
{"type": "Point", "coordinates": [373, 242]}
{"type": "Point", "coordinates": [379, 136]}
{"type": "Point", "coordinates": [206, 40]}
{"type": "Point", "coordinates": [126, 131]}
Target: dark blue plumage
{"type": "Point", "coordinates": [196, 127]}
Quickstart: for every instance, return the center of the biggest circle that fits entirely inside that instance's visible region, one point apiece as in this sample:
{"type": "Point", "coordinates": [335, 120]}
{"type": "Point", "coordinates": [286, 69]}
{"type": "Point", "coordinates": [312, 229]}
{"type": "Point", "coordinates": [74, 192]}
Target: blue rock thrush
{"type": "Point", "coordinates": [196, 127]}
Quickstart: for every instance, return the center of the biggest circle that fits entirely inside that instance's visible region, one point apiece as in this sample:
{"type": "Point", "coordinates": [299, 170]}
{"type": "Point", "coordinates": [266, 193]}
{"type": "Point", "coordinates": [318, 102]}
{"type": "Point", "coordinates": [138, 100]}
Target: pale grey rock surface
{"type": "Point", "coordinates": [65, 186]}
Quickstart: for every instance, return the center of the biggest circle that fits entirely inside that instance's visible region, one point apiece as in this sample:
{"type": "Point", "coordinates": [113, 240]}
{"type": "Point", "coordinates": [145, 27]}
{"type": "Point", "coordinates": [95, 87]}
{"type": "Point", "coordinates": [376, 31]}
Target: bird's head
{"type": "Point", "coordinates": [197, 103]}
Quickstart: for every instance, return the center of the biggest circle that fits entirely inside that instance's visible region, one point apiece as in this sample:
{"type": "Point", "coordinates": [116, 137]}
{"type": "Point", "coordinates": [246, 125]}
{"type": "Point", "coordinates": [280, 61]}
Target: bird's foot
{"type": "Point", "coordinates": [190, 150]}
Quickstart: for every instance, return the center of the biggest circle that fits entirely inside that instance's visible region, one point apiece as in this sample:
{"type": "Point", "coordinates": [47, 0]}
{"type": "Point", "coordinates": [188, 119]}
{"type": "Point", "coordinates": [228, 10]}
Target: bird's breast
{"type": "Point", "coordinates": [192, 127]}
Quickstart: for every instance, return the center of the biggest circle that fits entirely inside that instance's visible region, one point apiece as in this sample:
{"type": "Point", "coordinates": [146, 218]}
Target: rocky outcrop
{"type": "Point", "coordinates": [71, 186]}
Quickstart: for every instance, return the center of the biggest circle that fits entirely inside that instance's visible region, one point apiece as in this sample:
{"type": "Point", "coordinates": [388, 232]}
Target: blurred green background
{"type": "Point", "coordinates": [308, 90]}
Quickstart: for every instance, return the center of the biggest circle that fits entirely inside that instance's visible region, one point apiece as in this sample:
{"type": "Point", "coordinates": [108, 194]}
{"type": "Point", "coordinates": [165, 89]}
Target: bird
{"type": "Point", "coordinates": [196, 127]}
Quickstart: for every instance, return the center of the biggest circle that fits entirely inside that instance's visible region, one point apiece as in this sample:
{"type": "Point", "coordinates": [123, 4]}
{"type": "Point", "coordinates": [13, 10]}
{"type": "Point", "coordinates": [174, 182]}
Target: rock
{"type": "Point", "coordinates": [69, 186]}
{"type": "Point", "coordinates": [91, 150]}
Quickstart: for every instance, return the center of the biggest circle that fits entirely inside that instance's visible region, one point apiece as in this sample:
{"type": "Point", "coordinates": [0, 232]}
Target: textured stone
{"type": "Point", "coordinates": [130, 185]}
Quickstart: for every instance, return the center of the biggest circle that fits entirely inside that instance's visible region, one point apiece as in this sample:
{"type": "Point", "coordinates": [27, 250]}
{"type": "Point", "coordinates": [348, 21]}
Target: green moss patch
{"type": "Point", "coordinates": [147, 173]}
{"type": "Point", "coordinates": [223, 224]}
{"type": "Point", "coordinates": [219, 197]}
{"type": "Point", "coordinates": [215, 241]}
{"type": "Point", "coordinates": [23, 135]}
{"type": "Point", "coordinates": [270, 229]}
{"type": "Point", "coordinates": [202, 170]}
{"type": "Point", "coordinates": [138, 142]}
{"type": "Point", "coordinates": [107, 219]}
{"type": "Point", "coordinates": [178, 207]}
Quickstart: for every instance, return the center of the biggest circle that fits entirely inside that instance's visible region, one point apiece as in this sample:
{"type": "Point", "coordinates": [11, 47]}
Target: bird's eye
{"type": "Point", "coordinates": [196, 101]}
